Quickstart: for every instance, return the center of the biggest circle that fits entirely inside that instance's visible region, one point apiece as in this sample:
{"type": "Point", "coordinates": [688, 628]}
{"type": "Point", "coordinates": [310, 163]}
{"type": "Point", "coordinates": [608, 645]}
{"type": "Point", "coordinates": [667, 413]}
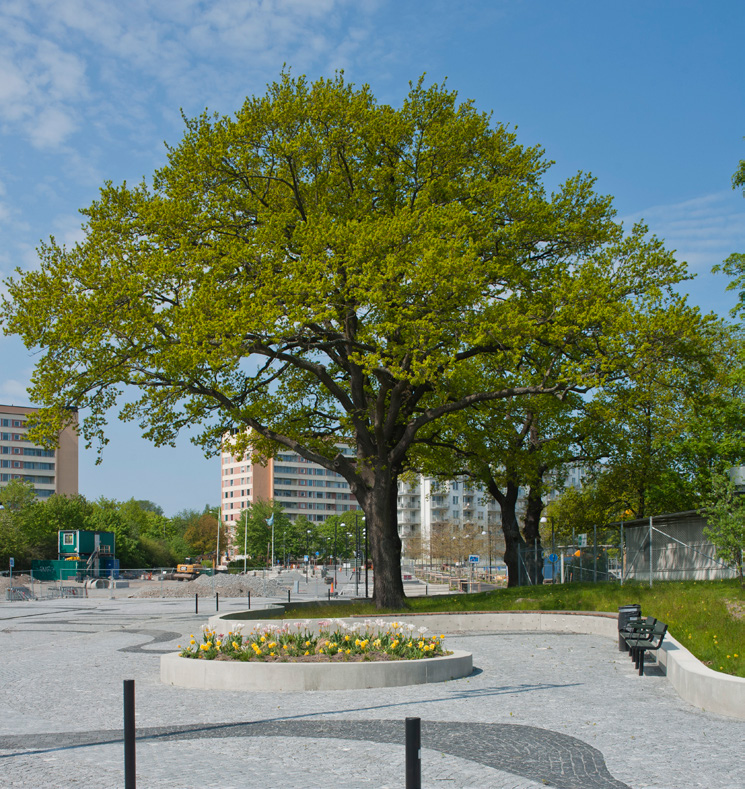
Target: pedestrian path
{"type": "Point", "coordinates": [541, 709]}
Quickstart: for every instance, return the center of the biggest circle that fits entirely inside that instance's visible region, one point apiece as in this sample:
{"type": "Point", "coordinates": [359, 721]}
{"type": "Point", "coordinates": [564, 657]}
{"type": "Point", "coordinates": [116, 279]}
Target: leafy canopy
{"type": "Point", "coordinates": [321, 266]}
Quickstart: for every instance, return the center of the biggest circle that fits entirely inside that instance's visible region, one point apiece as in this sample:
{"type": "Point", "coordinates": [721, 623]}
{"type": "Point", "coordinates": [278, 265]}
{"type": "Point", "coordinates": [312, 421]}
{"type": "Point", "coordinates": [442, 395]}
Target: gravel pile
{"type": "Point", "coordinates": [19, 579]}
{"type": "Point", "coordinates": [226, 585]}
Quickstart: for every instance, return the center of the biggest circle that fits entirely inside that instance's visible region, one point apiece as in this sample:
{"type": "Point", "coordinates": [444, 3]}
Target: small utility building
{"type": "Point", "coordinates": [81, 554]}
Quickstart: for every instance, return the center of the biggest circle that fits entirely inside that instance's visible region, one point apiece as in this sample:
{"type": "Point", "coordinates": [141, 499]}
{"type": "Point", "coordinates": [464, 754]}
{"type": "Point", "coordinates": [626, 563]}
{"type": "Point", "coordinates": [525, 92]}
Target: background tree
{"type": "Point", "coordinates": [734, 265]}
{"type": "Point", "coordinates": [260, 532]}
{"type": "Point", "coordinates": [18, 501]}
{"type": "Point", "coordinates": [362, 257]}
{"type": "Point", "coordinates": [201, 536]}
{"type": "Point", "coordinates": [725, 514]}
{"type": "Point", "coordinates": [675, 420]}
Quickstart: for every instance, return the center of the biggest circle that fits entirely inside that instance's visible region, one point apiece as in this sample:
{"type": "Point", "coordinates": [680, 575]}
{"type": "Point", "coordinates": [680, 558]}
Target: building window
{"type": "Point", "coordinates": [68, 538]}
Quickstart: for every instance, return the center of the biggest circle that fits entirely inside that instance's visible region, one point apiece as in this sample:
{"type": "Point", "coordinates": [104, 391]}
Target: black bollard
{"type": "Point", "coordinates": [413, 753]}
{"type": "Point", "coordinates": [130, 776]}
{"type": "Point", "coordinates": [217, 601]}
{"type": "Point", "coordinates": [329, 595]}
{"type": "Point", "coordinates": [288, 595]}
{"type": "Point", "coordinates": [196, 603]}
{"type": "Point", "coordinates": [249, 600]}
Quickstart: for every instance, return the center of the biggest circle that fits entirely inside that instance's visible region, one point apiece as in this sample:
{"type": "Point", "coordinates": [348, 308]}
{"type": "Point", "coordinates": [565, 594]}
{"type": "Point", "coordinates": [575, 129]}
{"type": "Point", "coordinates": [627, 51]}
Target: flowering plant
{"type": "Point", "coordinates": [335, 640]}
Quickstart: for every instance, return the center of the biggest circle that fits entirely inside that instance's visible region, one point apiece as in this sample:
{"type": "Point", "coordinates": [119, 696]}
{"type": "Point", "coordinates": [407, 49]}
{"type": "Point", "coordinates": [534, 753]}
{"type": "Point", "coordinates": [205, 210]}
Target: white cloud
{"type": "Point", "coordinates": [14, 392]}
{"type": "Point", "coordinates": [51, 127]}
{"type": "Point", "coordinates": [704, 231]}
{"type": "Point", "coordinates": [72, 64]}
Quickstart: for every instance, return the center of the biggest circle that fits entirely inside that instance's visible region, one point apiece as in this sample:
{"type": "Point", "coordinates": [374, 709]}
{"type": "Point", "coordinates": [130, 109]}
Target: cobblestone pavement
{"type": "Point", "coordinates": [540, 710]}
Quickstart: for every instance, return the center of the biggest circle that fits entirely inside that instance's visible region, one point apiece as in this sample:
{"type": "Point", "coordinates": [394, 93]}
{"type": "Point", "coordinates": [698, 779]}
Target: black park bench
{"type": "Point", "coordinates": [643, 635]}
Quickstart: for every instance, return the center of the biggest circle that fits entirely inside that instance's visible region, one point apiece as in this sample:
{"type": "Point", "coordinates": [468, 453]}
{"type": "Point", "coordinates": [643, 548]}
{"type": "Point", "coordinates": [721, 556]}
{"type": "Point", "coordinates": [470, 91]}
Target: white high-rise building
{"type": "Point", "coordinates": [426, 503]}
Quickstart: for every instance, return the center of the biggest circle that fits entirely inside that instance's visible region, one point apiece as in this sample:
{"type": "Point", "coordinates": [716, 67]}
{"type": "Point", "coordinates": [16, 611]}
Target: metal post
{"type": "Point", "coordinates": [288, 595]}
{"type": "Point", "coordinates": [245, 540]}
{"type": "Point", "coordinates": [553, 552]}
{"type": "Point", "coordinates": [249, 599]}
{"type": "Point", "coordinates": [217, 550]}
{"type": "Point", "coordinates": [535, 566]}
{"type": "Point", "coordinates": [130, 776]}
{"type": "Point", "coordinates": [650, 551]}
{"type": "Point", "coordinates": [413, 753]}
{"type": "Point", "coordinates": [217, 601]}
{"type": "Point", "coordinates": [335, 560]}
{"type": "Point", "coordinates": [595, 553]}
{"type": "Point", "coordinates": [356, 553]}
{"type": "Point", "coordinates": [365, 560]}
{"type": "Point", "coordinates": [196, 603]}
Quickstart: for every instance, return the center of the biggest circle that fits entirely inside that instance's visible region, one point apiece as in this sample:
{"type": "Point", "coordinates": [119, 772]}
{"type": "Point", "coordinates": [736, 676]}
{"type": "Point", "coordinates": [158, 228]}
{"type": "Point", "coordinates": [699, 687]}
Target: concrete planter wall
{"type": "Point", "coordinates": [695, 683]}
{"type": "Point", "coordinates": [232, 675]}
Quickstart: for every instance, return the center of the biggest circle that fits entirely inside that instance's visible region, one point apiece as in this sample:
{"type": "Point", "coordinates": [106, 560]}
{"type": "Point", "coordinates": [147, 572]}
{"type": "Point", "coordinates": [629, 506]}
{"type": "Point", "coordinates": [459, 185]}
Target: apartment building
{"type": "Point", "coordinates": [302, 487]}
{"type": "Point", "coordinates": [424, 503]}
{"type": "Point", "coordinates": [49, 470]}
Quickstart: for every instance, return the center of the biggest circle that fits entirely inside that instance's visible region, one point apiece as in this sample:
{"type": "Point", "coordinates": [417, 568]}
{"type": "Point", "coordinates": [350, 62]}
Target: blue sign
{"type": "Point", "coordinates": [12, 562]}
{"type": "Point", "coordinates": [553, 558]}
{"type": "Point", "coordinates": [473, 559]}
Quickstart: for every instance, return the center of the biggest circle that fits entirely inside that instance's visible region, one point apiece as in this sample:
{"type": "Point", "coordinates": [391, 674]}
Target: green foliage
{"type": "Point", "coordinates": [144, 536]}
{"type": "Point", "coordinates": [368, 260]}
{"type": "Point", "coordinates": [201, 535]}
{"type": "Point", "coordinates": [674, 419]}
{"type": "Point", "coordinates": [734, 265]}
{"type": "Point", "coordinates": [725, 514]}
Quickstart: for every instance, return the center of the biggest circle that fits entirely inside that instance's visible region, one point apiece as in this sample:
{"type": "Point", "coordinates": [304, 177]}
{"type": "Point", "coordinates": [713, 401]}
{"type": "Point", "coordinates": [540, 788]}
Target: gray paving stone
{"type": "Point", "coordinates": [542, 709]}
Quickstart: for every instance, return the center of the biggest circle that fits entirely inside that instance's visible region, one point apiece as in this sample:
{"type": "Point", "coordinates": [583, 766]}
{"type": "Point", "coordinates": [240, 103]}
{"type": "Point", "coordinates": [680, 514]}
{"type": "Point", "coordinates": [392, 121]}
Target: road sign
{"type": "Point", "coordinates": [473, 559]}
{"type": "Point", "coordinates": [12, 562]}
{"type": "Point", "coordinates": [582, 540]}
{"type": "Point", "coordinates": [553, 558]}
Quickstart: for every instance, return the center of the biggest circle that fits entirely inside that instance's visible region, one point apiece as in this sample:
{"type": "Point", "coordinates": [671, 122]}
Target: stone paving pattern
{"type": "Point", "coordinates": [541, 709]}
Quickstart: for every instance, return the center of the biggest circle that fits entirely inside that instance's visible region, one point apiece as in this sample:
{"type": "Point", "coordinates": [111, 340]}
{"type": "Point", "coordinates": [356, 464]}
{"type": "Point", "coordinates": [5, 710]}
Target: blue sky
{"type": "Point", "coordinates": [646, 96]}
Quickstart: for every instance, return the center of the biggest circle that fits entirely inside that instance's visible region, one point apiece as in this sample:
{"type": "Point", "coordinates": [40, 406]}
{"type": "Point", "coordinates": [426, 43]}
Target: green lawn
{"type": "Point", "coordinates": [708, 617]}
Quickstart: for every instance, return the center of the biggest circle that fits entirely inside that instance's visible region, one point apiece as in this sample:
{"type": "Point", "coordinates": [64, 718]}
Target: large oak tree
{"type": "Point", "coordinates": [322, 268]}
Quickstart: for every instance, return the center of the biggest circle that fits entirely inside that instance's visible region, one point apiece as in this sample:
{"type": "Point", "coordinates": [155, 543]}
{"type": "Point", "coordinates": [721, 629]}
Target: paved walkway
{"type": "Point", "coordinates": [541, 710]}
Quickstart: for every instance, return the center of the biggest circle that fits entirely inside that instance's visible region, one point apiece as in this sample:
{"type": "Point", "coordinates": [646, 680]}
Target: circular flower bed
{"type": "Point", "coordinates": [333, 641]}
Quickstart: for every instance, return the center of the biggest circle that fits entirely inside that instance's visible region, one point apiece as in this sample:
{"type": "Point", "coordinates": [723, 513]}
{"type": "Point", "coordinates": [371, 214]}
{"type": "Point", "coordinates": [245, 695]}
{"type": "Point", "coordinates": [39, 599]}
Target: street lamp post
{"type": "Point", "coordinates": [335, 589]}
{"type": "Point", "coordinates": [356, 553]}
{"type": "Point", "coordinates": [307, 553]}
{"type": "Point", "coordinates": [365, 530]}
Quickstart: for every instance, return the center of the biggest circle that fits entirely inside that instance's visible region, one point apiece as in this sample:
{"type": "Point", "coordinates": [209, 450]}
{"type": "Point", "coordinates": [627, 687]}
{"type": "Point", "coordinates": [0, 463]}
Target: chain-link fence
{"type": "Point", "coordinates": [166, 582]}
{"type": "Point", "coordinates": [567, 564]}
{"type": "Point", "coordinates": [671, 548]}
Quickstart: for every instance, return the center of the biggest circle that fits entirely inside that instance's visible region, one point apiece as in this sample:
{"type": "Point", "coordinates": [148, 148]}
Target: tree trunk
{"type": "Point", "coordinates": [379, 502]}
{"type": "Point", "coordinates": [513, 540]}
{"type": "Point", "coordinates": [532, 532]}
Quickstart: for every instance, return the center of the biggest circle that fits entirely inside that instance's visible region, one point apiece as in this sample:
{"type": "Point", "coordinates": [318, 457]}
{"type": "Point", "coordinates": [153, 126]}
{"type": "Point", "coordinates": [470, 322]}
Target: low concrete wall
{"type": "Point", "coordinates": [600, 624]}
{"type": "Point", "coordinates": [696, 683]}
{"type": "Point", "coordinates": [232, 675]}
